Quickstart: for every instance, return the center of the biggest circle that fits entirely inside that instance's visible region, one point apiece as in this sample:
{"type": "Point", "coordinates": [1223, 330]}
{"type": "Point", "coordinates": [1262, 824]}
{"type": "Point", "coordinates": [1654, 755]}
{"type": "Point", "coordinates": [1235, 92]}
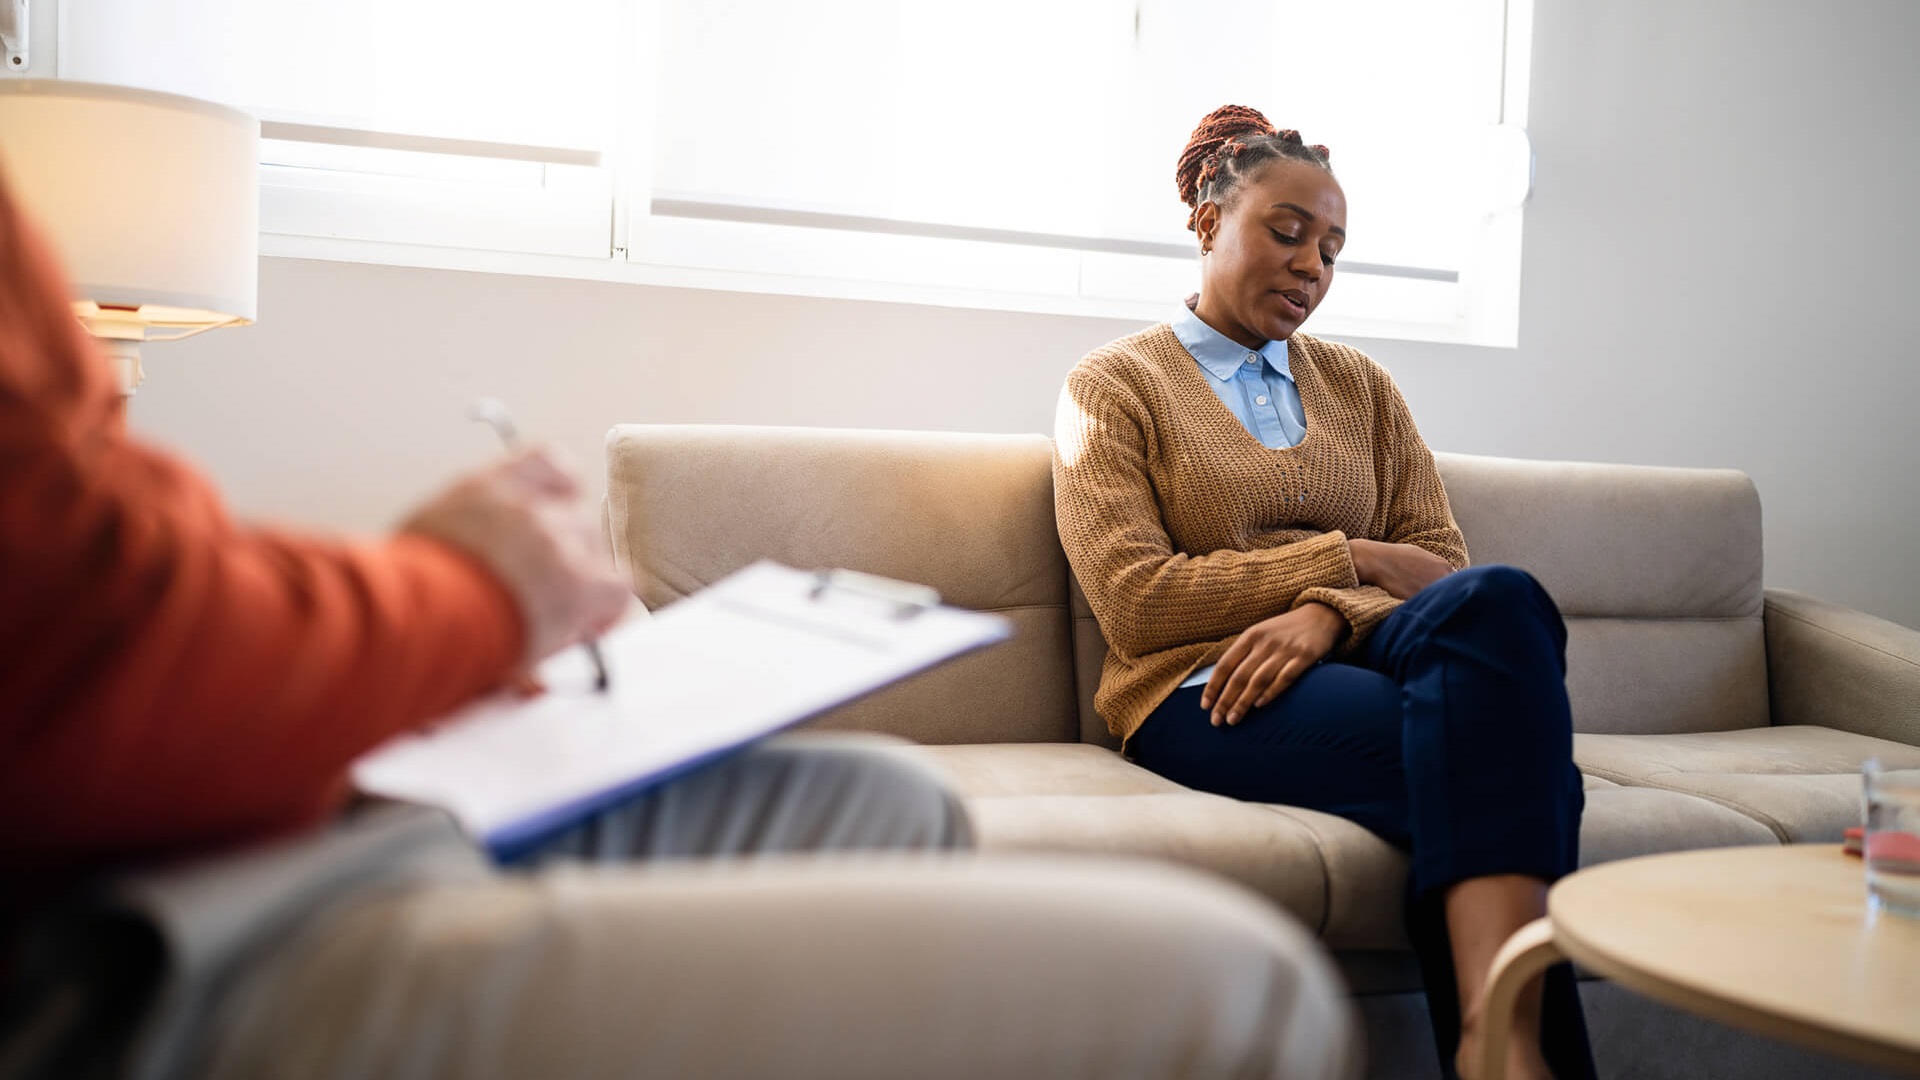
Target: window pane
{"type": "Point", "coordinates": [490, 70]}
{"type": "Point", "coordinates": [920, 111]}
{"type": "Point", "coordinates": [1066, 116]}
{"type": "Point", "coordinates": [925, 112]}
{"type": "Point", "coordinates": [1402, 92]}
{"type": "Point", "coordinates": [1191, 57]}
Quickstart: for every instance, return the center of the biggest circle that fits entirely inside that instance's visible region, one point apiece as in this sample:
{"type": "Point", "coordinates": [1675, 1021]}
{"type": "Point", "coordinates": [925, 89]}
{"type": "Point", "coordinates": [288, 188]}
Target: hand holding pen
{"type": "Point", "coordinates": [521, 518]}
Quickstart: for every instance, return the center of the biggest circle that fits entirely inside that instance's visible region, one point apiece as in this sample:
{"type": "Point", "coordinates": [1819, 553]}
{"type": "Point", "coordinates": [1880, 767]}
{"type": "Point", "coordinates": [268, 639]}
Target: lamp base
{"type": "Point", "coordinates": [125, 357]}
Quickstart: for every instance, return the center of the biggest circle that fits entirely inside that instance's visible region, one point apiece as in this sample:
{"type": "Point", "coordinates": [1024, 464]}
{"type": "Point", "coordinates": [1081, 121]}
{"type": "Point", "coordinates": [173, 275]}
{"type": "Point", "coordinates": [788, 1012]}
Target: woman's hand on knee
{"type": "Point", "coordinates": [1268, 658]}
{"type": "Point", "coordinates": [1401, 569]}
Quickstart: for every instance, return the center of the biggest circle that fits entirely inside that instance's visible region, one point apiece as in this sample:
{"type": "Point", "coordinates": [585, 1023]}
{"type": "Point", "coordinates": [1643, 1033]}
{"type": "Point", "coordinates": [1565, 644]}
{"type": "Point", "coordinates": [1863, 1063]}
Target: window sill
{"type": "Point", "coordinates": [1332, 324]}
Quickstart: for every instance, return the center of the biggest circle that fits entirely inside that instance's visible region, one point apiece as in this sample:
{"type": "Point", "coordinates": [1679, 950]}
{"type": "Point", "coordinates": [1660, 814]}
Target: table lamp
{"type": "Point", "coordinates": [152, 201]}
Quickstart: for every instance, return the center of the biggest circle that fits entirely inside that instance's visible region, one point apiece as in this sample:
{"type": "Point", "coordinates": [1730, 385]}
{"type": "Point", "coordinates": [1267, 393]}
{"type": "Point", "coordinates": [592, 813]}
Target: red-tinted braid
{"type": "Point", "coordinates": [1225, 135]}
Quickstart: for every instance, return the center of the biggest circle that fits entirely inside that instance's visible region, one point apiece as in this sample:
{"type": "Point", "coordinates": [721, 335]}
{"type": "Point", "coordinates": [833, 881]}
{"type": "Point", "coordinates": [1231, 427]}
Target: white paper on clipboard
{"type": "Point", "coordinates": [760, 650]}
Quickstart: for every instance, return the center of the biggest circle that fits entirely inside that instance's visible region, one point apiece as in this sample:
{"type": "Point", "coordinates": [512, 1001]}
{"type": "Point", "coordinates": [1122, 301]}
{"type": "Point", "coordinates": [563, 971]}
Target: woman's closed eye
{"type": "Point", "coordinates": [1326, 257]}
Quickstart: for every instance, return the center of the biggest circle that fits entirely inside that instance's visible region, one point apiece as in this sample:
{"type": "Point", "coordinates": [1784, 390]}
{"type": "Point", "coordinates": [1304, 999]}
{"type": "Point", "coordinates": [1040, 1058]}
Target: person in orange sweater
{"type": "Point", "coordinates": [176, 683]}
{"type": "Point", "coordinates": [174, 680]}
{"type": "Point", "coordinates": [183, 894]}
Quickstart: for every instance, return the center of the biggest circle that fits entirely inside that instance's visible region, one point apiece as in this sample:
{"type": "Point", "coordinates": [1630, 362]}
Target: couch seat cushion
{"type": "Point", "coordinates": [1623, 822]}
{"type": "Point", "coordinates": [1074, 798]}
{"type": "Point", "coordinates": [1242, 842]}
{"type": "Point", "coordinates": [992, 769]}
{"type": "Point", "coordinates": [1367, 877]}
{"type": "Point", "coordinates": [1801, 782]}
{"type": "Point", "coordinates": [1336, 877]}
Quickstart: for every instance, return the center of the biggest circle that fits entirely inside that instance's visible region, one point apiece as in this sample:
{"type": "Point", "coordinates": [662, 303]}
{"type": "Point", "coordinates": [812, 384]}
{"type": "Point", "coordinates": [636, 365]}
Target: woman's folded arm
{"type": "Point", "coordinates": [1147, 596]}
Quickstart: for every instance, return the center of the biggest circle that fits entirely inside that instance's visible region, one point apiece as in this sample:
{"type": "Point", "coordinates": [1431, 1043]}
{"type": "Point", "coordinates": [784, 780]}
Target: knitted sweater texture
{"type": "Point", "coordinates": [1184, 531]}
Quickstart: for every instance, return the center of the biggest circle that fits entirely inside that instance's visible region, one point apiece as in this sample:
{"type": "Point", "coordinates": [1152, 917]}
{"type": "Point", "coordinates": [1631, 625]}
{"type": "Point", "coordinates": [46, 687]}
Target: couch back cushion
{"type": "Point", "coordinates": [1089, 655]}
{"type": "Point", "coordinates": [971, 515]}
{"type": "Point", "coordinates": [1657, 571]}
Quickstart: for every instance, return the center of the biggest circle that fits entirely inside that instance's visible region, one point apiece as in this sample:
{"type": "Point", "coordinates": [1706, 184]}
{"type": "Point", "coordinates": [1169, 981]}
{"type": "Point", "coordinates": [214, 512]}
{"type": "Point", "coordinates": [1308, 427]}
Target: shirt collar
{"type": "Point", "coordinates": [1219, 354]}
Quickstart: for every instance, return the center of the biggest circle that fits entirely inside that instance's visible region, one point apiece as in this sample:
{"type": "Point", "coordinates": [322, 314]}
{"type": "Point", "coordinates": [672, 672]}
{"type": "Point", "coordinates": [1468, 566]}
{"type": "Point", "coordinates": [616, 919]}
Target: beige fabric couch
{"type": "Point", "coordinates": [1709, 710]}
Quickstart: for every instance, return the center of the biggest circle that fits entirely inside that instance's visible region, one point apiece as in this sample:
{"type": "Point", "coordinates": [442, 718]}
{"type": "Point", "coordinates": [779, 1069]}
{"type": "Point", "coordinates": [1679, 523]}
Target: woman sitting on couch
{"type": "Point", "coordinates": [1268, 548]}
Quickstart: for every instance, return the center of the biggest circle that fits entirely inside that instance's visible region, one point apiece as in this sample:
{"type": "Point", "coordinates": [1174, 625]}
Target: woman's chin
{"type": "Point", "coordinates": [1280, 327]}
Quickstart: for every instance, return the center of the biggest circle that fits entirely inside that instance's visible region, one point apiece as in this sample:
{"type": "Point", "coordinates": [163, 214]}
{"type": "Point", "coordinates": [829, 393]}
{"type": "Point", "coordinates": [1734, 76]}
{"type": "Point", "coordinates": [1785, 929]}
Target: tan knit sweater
{"type": "Point", "coordinates": [1184, 530]}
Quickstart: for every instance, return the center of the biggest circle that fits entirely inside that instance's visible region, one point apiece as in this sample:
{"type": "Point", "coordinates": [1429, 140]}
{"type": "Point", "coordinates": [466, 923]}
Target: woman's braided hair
{"type": "Point", "coordinates": [1232, 143]}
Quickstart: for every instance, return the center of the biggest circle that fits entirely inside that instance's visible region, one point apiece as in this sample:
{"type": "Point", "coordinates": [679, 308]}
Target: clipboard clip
{"type": "Point", "coordinates": [904, 598]}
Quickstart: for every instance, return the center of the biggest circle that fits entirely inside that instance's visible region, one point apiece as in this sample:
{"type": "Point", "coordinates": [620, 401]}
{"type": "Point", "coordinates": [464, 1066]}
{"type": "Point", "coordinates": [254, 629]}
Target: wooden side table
{"type": "Point", "coordinates": [1774, 940]}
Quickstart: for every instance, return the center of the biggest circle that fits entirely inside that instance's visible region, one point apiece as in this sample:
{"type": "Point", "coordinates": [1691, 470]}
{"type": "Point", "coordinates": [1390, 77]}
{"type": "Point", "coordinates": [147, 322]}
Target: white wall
{"type": "Point", "coordinates": [1719, 259]}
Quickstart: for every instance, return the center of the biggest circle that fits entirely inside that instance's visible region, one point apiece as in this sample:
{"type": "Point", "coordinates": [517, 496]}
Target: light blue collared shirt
{"type": "Point", "coordinates": [1257, 387]}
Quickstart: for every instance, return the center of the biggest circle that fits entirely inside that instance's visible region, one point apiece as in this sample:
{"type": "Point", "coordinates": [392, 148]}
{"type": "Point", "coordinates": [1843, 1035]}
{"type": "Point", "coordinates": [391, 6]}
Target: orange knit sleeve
{"type": "Point", "coordinates": [169, 679]}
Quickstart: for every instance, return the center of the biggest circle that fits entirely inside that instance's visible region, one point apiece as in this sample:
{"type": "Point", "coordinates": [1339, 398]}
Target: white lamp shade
{"type": "Point", "coordinates": [151, 199]}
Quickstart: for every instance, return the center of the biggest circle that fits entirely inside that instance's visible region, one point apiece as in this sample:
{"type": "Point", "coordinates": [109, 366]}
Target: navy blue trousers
{"type": "Point", "coordinates": [1447, 734]}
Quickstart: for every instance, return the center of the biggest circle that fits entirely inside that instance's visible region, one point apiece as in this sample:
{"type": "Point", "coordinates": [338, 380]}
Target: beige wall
{"type": "Point", "coordinates": [1720, 259]}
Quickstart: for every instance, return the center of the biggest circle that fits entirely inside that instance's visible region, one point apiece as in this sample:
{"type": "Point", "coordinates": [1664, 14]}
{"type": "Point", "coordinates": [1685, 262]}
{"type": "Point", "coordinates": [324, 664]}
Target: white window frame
{"type": "Point", "coordinates": [573, 218]}
{"type": "Point", "coordinates": [625, 231]}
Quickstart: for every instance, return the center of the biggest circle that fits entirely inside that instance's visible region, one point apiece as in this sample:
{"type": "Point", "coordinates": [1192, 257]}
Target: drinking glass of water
{"type": "Point", "coordinates": [1892, 842]}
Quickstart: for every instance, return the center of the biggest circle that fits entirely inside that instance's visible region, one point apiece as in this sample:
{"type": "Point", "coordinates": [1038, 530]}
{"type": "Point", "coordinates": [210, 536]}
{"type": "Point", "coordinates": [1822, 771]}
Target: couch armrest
{"type": "Point", "coordinates": [1840, 668]}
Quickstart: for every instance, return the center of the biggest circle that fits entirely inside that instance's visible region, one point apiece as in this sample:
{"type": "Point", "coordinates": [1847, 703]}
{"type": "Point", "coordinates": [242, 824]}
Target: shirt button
{"type": "Point", "coordinates": [1261, 400]}
{"type": "Point", "coordinates": [1253, 358]}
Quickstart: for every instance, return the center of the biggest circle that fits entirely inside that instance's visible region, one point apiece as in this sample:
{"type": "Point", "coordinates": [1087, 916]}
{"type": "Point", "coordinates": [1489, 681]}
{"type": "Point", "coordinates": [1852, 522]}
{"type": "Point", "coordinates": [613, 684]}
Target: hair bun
{"type": "Point", "coordinates": [1223, 123]}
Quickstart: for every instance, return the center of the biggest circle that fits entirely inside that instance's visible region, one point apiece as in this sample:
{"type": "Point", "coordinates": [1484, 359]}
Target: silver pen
{"type": "Point", "coordinates": [493, 413]}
